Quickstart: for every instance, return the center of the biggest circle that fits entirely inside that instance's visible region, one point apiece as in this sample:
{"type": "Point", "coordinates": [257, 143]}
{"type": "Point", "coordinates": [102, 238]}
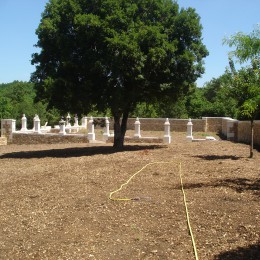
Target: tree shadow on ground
{"type": "Point", "coordinates": [237, 184]}
{"type": "Point", "coordinates": [251, 252]}
{"type": "Point", "coordinates": [218, 157]}
{"type": "Point", "coordinates": [76, 151]}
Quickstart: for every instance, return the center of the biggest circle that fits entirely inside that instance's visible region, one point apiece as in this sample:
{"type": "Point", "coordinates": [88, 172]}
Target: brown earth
{"type": "Point", "coordinates": [55, 201]}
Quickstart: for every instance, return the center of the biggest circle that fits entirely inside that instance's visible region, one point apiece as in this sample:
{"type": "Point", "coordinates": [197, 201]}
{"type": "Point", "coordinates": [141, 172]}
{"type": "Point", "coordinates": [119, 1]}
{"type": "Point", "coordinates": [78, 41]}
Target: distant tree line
{"type": "Point", "coordinates": [215, 99]}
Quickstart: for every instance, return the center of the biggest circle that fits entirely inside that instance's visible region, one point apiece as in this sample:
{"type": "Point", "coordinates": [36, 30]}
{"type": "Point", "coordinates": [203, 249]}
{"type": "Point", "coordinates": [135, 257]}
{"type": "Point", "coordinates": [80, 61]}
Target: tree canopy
{"type": "Point", "coordinates": [115, 54]}
{"type": "Point", "coordinates": [246, 82]}
{"type": "Point", "coordinates": [247, 46]}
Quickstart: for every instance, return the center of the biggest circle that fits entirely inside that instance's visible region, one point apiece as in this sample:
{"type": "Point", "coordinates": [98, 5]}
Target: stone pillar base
{"type": "Point", "coordinates": [167, 139]}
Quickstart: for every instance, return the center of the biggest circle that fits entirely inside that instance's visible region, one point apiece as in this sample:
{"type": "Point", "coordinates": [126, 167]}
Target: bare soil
{"type": "Point", "coordinates": [55, 201]}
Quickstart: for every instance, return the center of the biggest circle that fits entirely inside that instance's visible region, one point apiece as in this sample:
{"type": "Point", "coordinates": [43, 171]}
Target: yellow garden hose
{"type": "Point", "coordinates": [187, 216]}
{"type": "Point", "coordinates": [184, 198]}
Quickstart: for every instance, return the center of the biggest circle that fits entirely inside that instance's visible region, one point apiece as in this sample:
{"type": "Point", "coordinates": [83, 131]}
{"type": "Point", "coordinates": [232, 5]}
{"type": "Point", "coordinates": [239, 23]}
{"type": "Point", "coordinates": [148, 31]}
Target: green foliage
{"type": "Point", "coordinates": [167, 108]}
{"type": "Point", "coordinates": [17, 98]}
{"type": "Point", "coordinates": [5, 107]}
{"type": "Point", "coordinates": [247, 46]}
{"type": "Point", "coordinates": [145, 110]}
{"type": "Point", "coordinates": [246, 82]}
{"type": "Point", "coordinates": [246, 90]}
{"type": "Point", "coordinates": [116, 54]}
{"type": "Point", "coordinates": [214, 99]}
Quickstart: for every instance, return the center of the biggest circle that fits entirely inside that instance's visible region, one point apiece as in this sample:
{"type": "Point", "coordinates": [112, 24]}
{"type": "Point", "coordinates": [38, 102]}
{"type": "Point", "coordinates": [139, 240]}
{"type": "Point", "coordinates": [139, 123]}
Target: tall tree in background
{"type": "Point", "coordinates": [115, 54]}
{"type": "Point", "coordinates": [246, 81]}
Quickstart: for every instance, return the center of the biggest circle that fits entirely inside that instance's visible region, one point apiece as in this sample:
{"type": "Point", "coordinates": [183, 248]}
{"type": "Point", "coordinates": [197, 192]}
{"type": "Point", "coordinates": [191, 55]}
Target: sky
{"type": "Point", "coordinates": [220, 18]}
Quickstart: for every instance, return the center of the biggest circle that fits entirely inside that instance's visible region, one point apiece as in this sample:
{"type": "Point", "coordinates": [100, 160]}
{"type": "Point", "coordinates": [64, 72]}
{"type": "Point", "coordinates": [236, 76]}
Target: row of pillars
{"type": "Point", "coordinates": [106, 134]}
{"type": "Point", "coordinates": [90, 126]}
{"type": "Point", "coordinates": [91, 131]}
{"type": "Point", "coordinates": [36, 124]}
{"type": "Point", "coordinates": [167, 135]}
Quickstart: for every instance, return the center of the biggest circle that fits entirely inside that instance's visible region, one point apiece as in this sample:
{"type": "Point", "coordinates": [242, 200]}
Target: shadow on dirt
{"type": "Point", "coordinates": [251, 252]}
{"type": "Point", "coordinates": [237, 184]}
{"type": "Point", "coordinates": [76, 152]}
{"type": "Point", "coordinates": [218, 157]}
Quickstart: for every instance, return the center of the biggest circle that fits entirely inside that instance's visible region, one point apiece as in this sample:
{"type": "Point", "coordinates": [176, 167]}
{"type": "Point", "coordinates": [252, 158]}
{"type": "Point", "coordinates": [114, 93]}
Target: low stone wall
{"type": "Point", "coordinates": [233, 130]}
{"type": "Point", "coordinates": [24, 138]}
{"type": "Point", "coordinates": [3, 140]}
{"type": "Point", "coordinates": [151, 140]}
{"type": "Point", "coordinates": [213, 124]}
{"type": "Point", "coordinates": [244, 132]}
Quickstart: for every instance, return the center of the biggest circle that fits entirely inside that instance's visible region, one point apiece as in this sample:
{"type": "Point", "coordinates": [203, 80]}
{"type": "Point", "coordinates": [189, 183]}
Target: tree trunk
{"type": "Point", "coordinates": [252, 140]}
{"type": "Point", "coordinates": [120, 130]}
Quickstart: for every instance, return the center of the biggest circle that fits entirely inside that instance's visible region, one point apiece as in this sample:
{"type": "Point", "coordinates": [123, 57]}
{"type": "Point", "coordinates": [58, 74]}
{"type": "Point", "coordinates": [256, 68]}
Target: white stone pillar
{"type": "Point", "coordinates": [68, 120]}
{"type": "Point", "coordinates": [37, 125]}
{"type": "Point", "coordinates": [62, 127]}
{"type": "Point", "coordinates": [137, 128]}
{"type": "Point", "coordinates": [24, 123]}
{"type": "Point", "coordinates": [76, 121]}
{"type": "Point", "coordinates": [106, 130]}
{"type": "Point", "coordinates": [34, 122]}
{"type": "Point", "coordinates": [189, 136]}
{"type": "Point", "coordinates": [84, 122]}
{"type": "Point", "coordinates": [68, 125]}
{"type": "Point", "coordinates": [91, 130]}
{"type": "Point", "coordinates": [167, 135]}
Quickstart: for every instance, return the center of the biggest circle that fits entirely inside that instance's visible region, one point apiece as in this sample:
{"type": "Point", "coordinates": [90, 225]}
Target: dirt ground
{"type": "Point", "coordinates": [55, 201]}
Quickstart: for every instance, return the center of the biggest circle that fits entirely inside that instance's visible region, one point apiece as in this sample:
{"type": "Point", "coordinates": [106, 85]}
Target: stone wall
{"type": "Point", "coordinates": [24, 138]}
{"type": "Point", "coordinates": [3, 140]}
{"type": "Point", "coordinates": [213, 124]}
{"type": "Point", "coordinates": [244, 132]}
{"type": "Point", "coordinates": [233, 130]}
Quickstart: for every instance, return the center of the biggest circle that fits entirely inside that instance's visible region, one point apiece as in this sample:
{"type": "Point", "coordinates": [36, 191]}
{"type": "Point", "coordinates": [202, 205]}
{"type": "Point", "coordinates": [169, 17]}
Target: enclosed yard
{"type": "Point", "coordinates": [55, 201]}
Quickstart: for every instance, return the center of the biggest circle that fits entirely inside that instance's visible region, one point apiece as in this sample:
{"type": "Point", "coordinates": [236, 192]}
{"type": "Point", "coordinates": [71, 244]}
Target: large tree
{"type": "Point", "coordinates": [115, 54]}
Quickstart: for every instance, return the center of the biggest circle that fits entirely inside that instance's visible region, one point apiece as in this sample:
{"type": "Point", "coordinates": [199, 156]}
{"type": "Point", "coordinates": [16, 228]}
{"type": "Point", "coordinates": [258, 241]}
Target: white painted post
{"type": "Point", "coordinates": [62, 127]}
{"type": "Point", "coordinates": [91, 130]}
{"type": "Point", "coordinates": [37, 124]}
{"type": "Point", "coordinates": [189, 136]}
{"type": "Point", "coordinates": [167, 135]}
{"type": "Point", "coordinates": [106, 132]}
{"type": "Point", "coordinates": [24, 123]}
{"type": "Point", "coordinates": [76, 121]}
{"type": "Point", "coordinates": [137, 128]}
{"type": "Point", "coordinates": [84, 122]}
{"type": "Point", "coordinates": [68, 120]}
{"type": "Point", "coordinates": [34, 122]}
{"type": "Point", "coordinates": [68, 125]}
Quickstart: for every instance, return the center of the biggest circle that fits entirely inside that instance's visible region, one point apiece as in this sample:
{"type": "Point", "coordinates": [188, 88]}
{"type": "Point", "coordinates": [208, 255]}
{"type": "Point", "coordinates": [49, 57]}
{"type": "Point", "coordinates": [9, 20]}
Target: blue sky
{"type": "Point", "coordinates": [20, 18]}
